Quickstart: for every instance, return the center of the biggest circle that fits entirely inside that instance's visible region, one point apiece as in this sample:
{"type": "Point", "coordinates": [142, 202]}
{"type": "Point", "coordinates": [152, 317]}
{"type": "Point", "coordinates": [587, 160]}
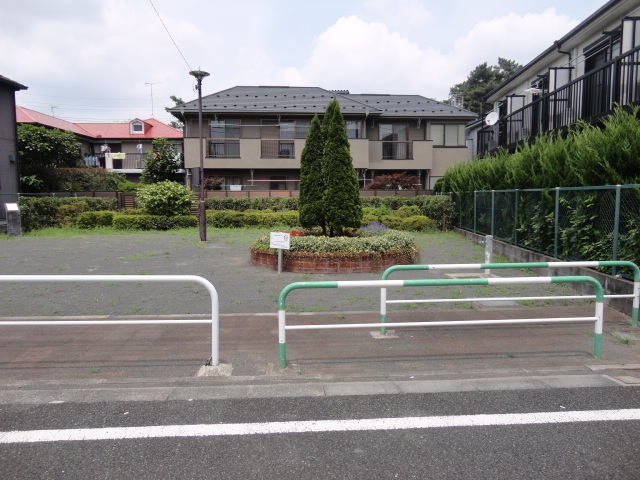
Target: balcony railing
{"type": "Point", "coordinates": [398, 150]}
{"type": "Point", "coordinates": [224, 148]}
{"type": "Point", "coordinates": [131, 161]}
{"type": "Point", "coordinates": [278, 148]}
{"type": "Point", "coordinates": [586, 98]}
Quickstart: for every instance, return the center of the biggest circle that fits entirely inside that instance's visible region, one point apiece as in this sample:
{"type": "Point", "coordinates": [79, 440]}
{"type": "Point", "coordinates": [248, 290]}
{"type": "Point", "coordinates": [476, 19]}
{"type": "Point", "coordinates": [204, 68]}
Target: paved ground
{"type": "Point", "coordinates": [47, 357]}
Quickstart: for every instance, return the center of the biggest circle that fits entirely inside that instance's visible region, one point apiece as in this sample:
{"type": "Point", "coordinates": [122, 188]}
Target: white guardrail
{"type": "Point", "coordinates": [215, 309]}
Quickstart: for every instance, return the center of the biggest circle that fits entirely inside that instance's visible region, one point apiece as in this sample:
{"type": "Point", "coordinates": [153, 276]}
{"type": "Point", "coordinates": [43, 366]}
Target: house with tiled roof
{"type": "Point", "coordinates": [121, 147]}
{"type": "Point", "coordinates": [254, 135]}
{"type": "Point", "coordinates": [9, 179]}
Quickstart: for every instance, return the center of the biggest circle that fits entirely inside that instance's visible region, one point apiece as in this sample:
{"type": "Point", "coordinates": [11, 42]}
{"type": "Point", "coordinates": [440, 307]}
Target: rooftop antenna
{"type": "Point", "coordinates": [151, 85]}
{"type": "Point", "coordinates": [53, 114]}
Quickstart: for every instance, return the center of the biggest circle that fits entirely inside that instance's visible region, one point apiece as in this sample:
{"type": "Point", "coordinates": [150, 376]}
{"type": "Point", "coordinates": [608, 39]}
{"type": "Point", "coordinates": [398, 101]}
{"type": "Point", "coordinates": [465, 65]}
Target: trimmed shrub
{"type": "Point", "coordinates": [68, 213]}
{"type": "Point", "coordinates": [390, 240]}
{"type": "Point", "coordinates": [407, 211]}
{"type": "Point", "coordinates": [251, 218]}
{"type": "Point", "coordinates": [95, 219]}
{"type": "Point", "coordinates": [259, 203]}
{"type": "Point", "coordinates": [417, 223]}
{"type": "Point", "coordinates": [154, 222]}
{"type": "Point", "coordinates": [42, 212]}
{"type": "Point", "coordinates": [164, 198]}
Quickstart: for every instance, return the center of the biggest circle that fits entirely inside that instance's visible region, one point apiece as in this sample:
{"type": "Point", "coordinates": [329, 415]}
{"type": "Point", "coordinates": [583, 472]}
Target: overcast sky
{"type": "Point", "coordinates": [99, 60]}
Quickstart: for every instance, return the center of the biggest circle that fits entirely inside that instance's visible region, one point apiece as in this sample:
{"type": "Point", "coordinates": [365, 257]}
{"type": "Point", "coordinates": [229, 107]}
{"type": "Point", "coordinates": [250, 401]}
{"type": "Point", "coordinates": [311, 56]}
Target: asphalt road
{"type": "Point", "coordinates": [261, 438]}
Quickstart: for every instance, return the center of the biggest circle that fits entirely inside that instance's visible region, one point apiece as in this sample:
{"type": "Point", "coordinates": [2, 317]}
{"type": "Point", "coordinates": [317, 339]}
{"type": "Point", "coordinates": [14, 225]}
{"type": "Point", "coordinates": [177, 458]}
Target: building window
{"type": "Point", "coordinates": [394, 142]}
{"type": "Point", "coordinates": [448, 135]}
{"type": "Point", "coordinates": [225, 139]}
{"type": "Point", "coordinates": [353, 129]}
{"type": "Point", "coordinates": [278, 182]}
{"type": "Point", "coordinates": [136, 127]}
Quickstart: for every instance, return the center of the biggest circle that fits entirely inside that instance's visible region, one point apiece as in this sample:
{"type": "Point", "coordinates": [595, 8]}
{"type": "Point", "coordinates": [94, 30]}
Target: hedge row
{"type": "Point", "coordinates": [251, 218]}
{"type": "Point", "coordinates": [437, 207]}
{"type": "Point", "coordinates": [42, 212]}
{"type": "Point", "coordinates": [135, 222]}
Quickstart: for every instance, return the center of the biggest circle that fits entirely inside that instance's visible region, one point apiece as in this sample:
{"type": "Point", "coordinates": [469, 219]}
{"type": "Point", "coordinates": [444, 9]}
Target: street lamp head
{"type": "Point", "coordinates": [199, 74]}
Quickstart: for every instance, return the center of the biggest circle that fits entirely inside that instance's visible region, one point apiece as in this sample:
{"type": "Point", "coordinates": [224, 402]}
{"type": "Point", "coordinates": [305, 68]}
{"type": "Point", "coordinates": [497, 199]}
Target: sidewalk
{"type": "Point", "coordinates": [249, 349]}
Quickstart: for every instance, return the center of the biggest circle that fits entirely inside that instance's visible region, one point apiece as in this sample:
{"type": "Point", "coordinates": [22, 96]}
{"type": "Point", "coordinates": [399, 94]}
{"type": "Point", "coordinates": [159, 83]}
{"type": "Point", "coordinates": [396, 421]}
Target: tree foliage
{"type": "Point", "coordinates": [177, 101]}
{"type": "Point", "coordinates": [311, 179]}
{"type": "Point", "coordinates": [393, 181]}
{"type": "Point", "coordinates": [162, 162]}
{"type": "Point", "coordinates": [40, 151]}
{"type": "Point", "coordinates": [342, 204]}
{"type": "Point", "coordinates": [164, 198]}
{"type": "Point", "coordinates": [587, 155]}
{"type": "Point", "coordinates": [481, 81]}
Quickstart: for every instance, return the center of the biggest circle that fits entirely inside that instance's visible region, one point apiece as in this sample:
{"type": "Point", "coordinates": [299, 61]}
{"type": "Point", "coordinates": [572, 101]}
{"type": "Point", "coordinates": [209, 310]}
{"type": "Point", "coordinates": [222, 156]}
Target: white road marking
{"type": "Point", "coordinates": [317, 426]}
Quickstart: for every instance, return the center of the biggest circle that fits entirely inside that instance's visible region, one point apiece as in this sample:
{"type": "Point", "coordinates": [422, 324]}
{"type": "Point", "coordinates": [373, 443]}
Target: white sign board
{"type": "Point", "coordinates": [11, 207]}
{"type": "Point", "coordinates": [280, 240]}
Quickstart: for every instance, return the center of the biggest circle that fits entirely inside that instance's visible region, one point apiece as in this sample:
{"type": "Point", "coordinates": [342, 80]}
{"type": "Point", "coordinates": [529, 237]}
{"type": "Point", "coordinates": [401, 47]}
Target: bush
{"type": "Point", "coordinates": [95, 219]}
{"type": "Point", "coordinates": [417, 223]}
{"type": "Point", "coordinates": [258, 203]}
{"type": "Point", "coordinates": [87, 179]}
{"type": "Point", "coordinates": [68, 213]}
{"type": "Point", "coordinates": [390, 240]}
{"type": "Point", "coordinates": [407, 211]}
{"type": "Point", "coordinates": [154, 222]}
{"type": "Point", "coordinates": [251, 218]}
{"type": "Point", "coordinates": [165, 198]}
{"type": "Point", "coordinates": [42, 212]}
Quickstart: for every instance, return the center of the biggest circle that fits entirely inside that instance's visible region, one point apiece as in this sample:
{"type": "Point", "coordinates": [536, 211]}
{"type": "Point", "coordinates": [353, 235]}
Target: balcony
{"type": "Point", "coordinates": [277, 148]}
{"type": "Point", "coordinates": [397, 150]}
{"type": "Point", "coordinates": [223, 147]}
{"type": "Point", "coordinates": [588, 98]}
{"type": "Point", "coordinates": [122, 161]}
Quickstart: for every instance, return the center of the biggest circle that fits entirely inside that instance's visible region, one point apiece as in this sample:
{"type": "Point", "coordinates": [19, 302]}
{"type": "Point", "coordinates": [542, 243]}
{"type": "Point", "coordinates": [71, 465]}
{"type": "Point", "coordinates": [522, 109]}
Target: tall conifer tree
{"type": "Point", "coordinates": [342, 204]}
{"type": "Point", "coordinates": [312, 180]}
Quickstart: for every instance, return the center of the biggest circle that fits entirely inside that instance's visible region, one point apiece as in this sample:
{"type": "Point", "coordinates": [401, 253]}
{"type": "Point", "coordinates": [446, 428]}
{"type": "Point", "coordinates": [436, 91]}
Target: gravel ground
{"type": "Point", "coordinates": [224, 260]}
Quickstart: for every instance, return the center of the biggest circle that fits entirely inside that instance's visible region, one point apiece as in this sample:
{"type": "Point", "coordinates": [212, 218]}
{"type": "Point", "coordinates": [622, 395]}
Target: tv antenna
{"type": "Point", "coordinates": [151, 84]}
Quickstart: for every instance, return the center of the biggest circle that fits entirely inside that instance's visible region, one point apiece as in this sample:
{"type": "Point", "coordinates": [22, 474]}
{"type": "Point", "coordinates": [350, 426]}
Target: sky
{"type": "Point", "coordinates": [115, 60]}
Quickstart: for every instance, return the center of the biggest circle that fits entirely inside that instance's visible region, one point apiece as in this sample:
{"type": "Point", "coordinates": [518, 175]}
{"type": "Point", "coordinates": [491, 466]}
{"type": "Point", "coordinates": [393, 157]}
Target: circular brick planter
{"type": "Point", "coordinates": [296, 262]}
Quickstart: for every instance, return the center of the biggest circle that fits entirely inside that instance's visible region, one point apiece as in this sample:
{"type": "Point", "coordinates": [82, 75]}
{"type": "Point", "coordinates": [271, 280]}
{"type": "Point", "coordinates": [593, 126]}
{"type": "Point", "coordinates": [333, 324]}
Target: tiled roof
{"type": "Point", "coordinates": [153, 127]}
{"type": "Point", "coordinates": [25, 115]}
{"type": "Point", "coordinates": [312, 100]}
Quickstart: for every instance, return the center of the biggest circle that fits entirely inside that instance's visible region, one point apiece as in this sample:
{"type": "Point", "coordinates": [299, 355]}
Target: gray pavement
{"type": "Point", "coordinates": [41, 363]}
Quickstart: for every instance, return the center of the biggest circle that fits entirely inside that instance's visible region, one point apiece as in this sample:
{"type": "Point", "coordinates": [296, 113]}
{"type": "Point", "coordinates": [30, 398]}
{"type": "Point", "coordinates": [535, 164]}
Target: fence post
{"type": "Point", "coordinates": [616, 228]}
{"type": "Point", "coordinates": [475, 211]}
{"type": "Point", "coordinates": [556, 223]}
{"type": "Point", "coordinates": [493, 211]}
{"type": "Point", "coordinates": [515, 221]}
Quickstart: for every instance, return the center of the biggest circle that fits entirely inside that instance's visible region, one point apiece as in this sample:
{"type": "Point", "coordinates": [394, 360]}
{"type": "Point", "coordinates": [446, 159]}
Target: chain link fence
{"type": "Point", "coordinates": [568, 223]}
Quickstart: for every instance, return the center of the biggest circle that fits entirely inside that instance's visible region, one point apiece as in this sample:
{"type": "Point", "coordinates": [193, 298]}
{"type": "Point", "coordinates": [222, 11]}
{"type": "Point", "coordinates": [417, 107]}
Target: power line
{"type": "Point", "coordinates": [174, 42]}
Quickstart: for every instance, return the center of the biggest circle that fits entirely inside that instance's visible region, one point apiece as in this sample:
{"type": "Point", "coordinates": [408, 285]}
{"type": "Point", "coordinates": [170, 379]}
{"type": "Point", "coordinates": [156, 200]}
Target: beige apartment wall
{"type": "Point", "coordinates": [445, 157]}
{"type": "Point", "coordinates": [422, 157]}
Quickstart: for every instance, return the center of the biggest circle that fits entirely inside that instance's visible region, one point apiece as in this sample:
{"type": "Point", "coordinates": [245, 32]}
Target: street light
{"type": "Point", "coordinates": [202, 208]}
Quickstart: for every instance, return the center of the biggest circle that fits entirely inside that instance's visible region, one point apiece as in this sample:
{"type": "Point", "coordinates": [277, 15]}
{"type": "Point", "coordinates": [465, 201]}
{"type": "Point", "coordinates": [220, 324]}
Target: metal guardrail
{"type": "Point", "coordinates": [215, 310]}
{"type": "Point", "coordinates": [493, 266]}
{"type": "Point", "coordinates": [598, 319]}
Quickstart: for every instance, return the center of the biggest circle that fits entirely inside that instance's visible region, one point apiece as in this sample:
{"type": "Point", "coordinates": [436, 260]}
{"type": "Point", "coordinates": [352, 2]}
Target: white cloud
{"type": "Point", "coordinates": [372, 57]}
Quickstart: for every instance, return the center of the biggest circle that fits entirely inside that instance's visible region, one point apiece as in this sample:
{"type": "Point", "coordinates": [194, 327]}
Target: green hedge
{"type": "Point", "coordinates": [251, 218]}
{"type": "Point", "coordinates": [95, 219]}
{"type": "Point", "coordinates": [257, 203]}
{"type": "Point", "coordinates": [437, 207]}
{"type": "Point", "coordinates": [42, 212]}
{"type": "Point", "coordinates": [153, 222]}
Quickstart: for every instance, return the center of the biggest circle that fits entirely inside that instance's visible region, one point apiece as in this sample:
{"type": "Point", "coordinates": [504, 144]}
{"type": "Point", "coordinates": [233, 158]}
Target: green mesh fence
{"type": "Point", "coordinates": [576, 223]}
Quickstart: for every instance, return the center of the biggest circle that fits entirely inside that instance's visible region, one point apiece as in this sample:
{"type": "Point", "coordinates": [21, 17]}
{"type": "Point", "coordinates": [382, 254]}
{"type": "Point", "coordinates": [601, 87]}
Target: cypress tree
{"type": "Point", "coordinates": [342, 204]}
{"type": "Point", "coordinates": [312, 180]}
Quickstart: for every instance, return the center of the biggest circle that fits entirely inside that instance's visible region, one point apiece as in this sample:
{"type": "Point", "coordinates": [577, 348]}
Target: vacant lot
{"type": "Point", "coordinates": [223, 259]}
